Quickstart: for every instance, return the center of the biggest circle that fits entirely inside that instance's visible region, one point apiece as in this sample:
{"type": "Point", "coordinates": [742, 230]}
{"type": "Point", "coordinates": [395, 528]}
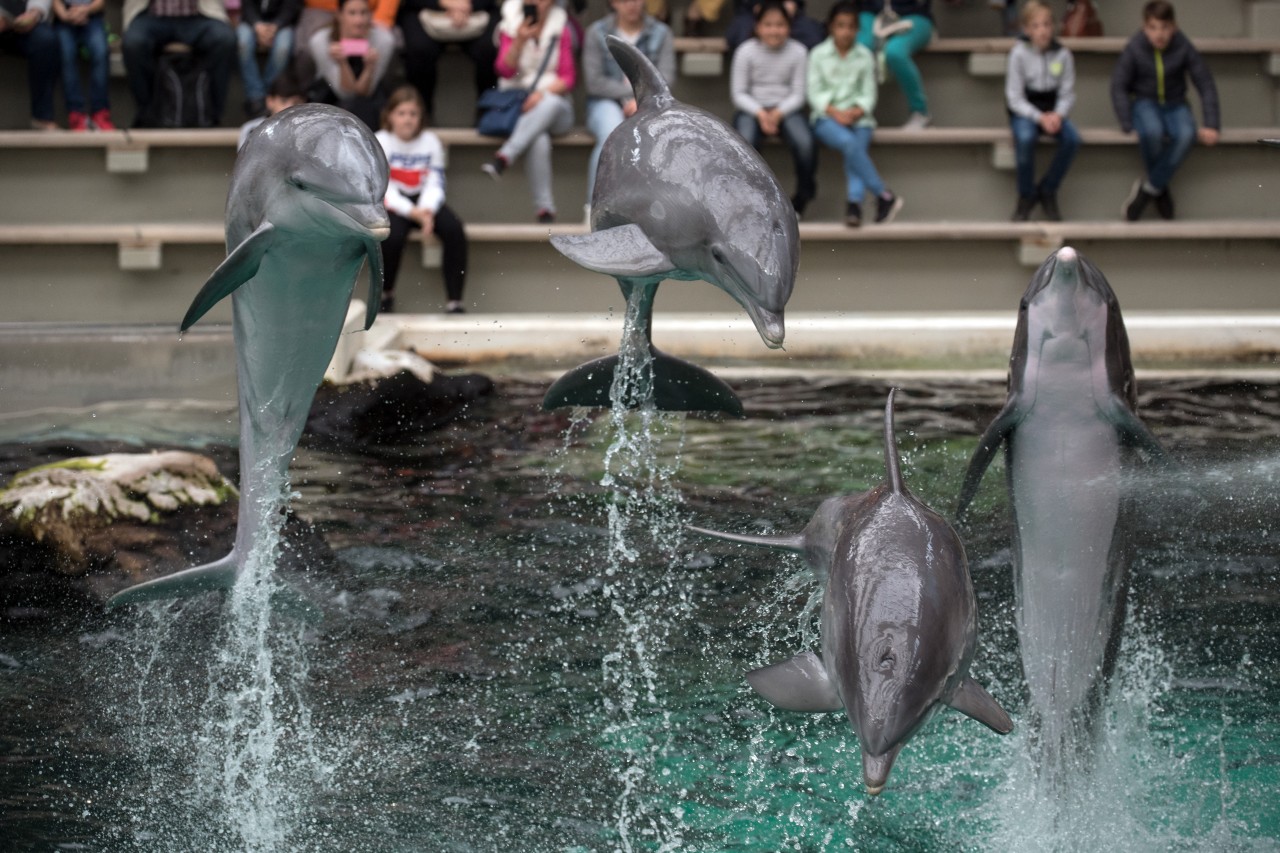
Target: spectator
{"type": "Point", "coordinates": [767, 85]}
{"type": "Point", "coordinates": [202, 25]}
{"type": "Point", "coordinates": [284, 92]}
{"type": "Point", "coordinates": [842, 97]}
{"type": "Point", "coordinates": [916, 20]}
{"type": "Point", "coordinates": [25, 29]}
{"type": "Point", "coordinates": [1039, 91]}
{"type": "Point", "coordinates": [351, 59]}
{"type": "Point", "coordinates": [610, 99]}
{"type": "Point", "coordinates": [523, 44]}
{"type": "Point", "coordinates": [415, 196]}
{"type": "Point", "coordinates": [422, 49]}
{"type": "Point", "coordinates": [1149, 94]}
{"type": "Point", "coordinates": [264, 25]}
{"type": "Point", "coordinates": [318, 15]}
{"type": "Point", "coordinates": [80, 26]}
{"type": "Point", "coordinates": [742, 25]}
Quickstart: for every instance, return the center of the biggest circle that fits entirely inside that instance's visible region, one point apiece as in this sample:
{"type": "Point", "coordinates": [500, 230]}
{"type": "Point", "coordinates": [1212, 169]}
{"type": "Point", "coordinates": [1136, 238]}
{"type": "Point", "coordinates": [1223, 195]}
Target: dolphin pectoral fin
{"type": "Point", "coordinates": [239, 266]}
{"type": "Point", "coordinates": [992, 438]}
{"type": "Point", "coordinates": [623, 252]}
{"type": "Point", "coordinates": [1132, 430]}
{"type": "Point", "coordinates": [678, 386]}
{"type": "Point", "coordinates": [973, 701]}
{"type": "Point", "coordinates": [220, 574]}
{"type": "Point", "coordinates": [799, 684]}
{"type": "Point", "coordinates": [373, 251]}
{"type": "Point", "coordinates": [787, 543]}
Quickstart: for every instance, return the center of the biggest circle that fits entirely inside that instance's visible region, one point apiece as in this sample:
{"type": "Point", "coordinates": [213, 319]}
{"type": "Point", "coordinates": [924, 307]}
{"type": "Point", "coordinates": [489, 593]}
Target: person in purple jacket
{"type": "Point", "coordinates": [1149, 94]}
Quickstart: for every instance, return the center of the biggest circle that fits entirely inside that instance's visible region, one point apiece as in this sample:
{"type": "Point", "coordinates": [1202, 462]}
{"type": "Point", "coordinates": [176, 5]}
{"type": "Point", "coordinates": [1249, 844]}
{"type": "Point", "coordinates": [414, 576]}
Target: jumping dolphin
{"type": "Point", "coordinates": [1069, 430]}
{"type": "Point", "coordinates": [680, 195]}
{"type": "Point", "coordinates": [304, 212]}
{"type": "Point", "coordinates": [899, 619]}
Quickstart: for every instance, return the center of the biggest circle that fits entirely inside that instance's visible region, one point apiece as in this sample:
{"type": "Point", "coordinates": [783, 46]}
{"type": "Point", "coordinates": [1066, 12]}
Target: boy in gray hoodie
{"type": "Point", "coordinates": [1039, 91]}
{"type": "Point", "coordinates": [1149, 94]}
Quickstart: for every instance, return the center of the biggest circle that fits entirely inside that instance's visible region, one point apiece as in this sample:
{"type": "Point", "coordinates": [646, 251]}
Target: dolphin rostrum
{"type": "Point", "coordinates": [1069, 430]}
{"type": "Point", "coordinates": [680, 195]}
{"type": "Point", "coordinates": [304, 213]}
{"type": "Point", "coordinates": [899, 619]}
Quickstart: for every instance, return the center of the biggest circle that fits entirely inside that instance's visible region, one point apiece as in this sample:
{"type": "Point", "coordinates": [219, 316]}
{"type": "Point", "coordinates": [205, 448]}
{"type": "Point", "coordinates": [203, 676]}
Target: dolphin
{"type": "Point", "coordinates": [680, 195]}
{"type": "Point", "coordinates": [304, 213]}
{"type": "Point", "coordinates": [899, 619]}
{"type": "Point", "coordinates": [1069, 430]}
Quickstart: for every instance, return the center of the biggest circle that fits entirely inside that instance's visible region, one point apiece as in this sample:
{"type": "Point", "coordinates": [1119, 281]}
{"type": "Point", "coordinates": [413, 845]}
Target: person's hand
{"type": "Point", "coordinates": [535, 98]}
{"type": "Point", "coordinates": [1208, 136]}
{"type": "Point", "coordinates": [527, 30]}
{"type": "Point", "coordinates": [1050, 122]}
{"type": "Point", "coordinates": [26, 22]}
{"type": "Point", "coordinates": [79, 15]}
{"type": "Point", "coordinates": [629, 107]}
{"type": "Point", "coordinates": [335, 52]}
{"type": "Point", "coordinates": [265, 33]}
{"type": "Point", "coordinates": [458, 16]}
{"type": "Point", "coordinates": [425, 218]}
{"type": "Point", "coordinates": [370, 57]}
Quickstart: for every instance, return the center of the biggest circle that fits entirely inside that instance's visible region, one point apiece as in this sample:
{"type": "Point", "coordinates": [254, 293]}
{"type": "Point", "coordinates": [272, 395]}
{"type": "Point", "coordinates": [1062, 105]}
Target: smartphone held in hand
{"type": "Point", "coordinates": [354, 47]}
{"type": "Point", "coordinates": [530, 12]}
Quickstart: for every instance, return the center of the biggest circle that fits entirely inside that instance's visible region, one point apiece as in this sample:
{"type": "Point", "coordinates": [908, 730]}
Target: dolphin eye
{"type": "Point", "coordinates": [717, 255]}
{"type": "Point", "coordinates": [299, 183]}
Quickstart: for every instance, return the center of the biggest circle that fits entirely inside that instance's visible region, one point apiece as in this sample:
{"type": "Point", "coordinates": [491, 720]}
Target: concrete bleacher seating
{"type": "Point", "coordinates": [133, 220]}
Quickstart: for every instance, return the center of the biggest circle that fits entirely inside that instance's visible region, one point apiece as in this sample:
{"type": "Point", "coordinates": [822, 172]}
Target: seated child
{"type": "Point", "coordinates": [284, 92]}
{"type": "Point", "coordinates": [415, 196]}
{"type": "Point", "coordinates": [1149, 94]}
{"type": "Point", "coordinates": [80, 25]}
{"type": "Point", "coordinates": [767, 85]}
{"type": "Point", "coordinates": [842, 96]}
{"type": "Point", "coordinates": [1039, 91]}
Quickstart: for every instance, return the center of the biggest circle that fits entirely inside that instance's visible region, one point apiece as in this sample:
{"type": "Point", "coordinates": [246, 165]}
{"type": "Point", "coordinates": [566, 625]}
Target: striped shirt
{"type": "Point", "coordinates": [174, 8]}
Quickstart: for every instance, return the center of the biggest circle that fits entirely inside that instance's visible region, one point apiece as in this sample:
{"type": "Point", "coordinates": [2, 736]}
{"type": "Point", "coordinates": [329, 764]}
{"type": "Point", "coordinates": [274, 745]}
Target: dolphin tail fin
{"type": "Point", "coordinates": [798, 684]}
{"type": "Point", "coordinates": [678, 386]}
{"type": "Point", "coordinates": [623, 252]}
{"type": "Point", "coordinates": [240, 266]}
{"type": "Point", "coordinates": [373, 251]}
{"type": "Point", "coordinates": [973, 701]}
{"type": "Point", "coordinates": [645, 78]}
{"type": "Point", "coordinates": [992, 438]}
{"type": "Point", "coordinates": [892, 463]}
{"type": "Point", "coordinates": [786, 543]}
{"type": "Point", "coordinates": [220, 574]}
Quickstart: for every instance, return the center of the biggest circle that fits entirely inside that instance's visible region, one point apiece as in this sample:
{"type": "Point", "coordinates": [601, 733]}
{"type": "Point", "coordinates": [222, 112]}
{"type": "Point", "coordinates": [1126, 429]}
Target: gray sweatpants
{"type": "Point", "coordinates": [553, 115]}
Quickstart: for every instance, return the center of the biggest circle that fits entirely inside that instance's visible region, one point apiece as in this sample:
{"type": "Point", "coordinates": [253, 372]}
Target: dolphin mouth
{"type": "Point", "coordinates": [769, 325]}
{"type": "Point", "coordinates": [369, 219]}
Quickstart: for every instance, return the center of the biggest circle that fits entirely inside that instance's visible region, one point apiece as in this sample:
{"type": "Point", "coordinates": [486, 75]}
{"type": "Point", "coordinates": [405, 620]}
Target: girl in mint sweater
{"type": "Point", "coordinates": [842, 96]}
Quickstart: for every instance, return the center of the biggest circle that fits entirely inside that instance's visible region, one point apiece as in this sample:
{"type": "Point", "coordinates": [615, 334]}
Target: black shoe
{"type": "Point", "coordinates": [494, 168]}
{"type": "Point", "coordinates": [1136, 202]}
{"type": "Point", "coordinates": [887, 208]}
{"type": "Point", "coordinates": [388, 303]}
{"type": "Point", "coordinates": [454, 307]}
{"type": "Point", "coordinates": [853, 214]}
{"type": "Point", "coordinates": [546, 217]}
{"type": "Point", "coordinates": [1164, 204]}
{"type": "Point", "coordinates": [255, 109]}
{"type": "Point", "coordinates": [799, 202]}
{"type": "Point", "coordinates": [1049, 204]}
{"type": "Point", "coordinates": [1023, 211]}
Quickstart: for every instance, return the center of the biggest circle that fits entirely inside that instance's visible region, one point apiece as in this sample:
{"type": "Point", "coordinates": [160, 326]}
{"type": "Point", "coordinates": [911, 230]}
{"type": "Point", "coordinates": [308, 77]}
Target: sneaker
{"type": "Point", "coordinates": [495, 167]}
{"type": "Point", "coordinates": [79, 122]}
{"type": "Point", "coordinates": [799, 202]}
{"type": "Point", "coordinates": [887, 208]}
{"type": "Point", "coordinates": [454, 307]}
{"type": "Point", "coordinates": [1135, 203]}
{"type": "Point", "coordinates": [853, 214]}
{"type": "Point", "coordinates": [102, 120]}
{"type": "Point", "coordinates": [1164, 204]}
{"type": "Point", "coordinates": [546, 217]}
{"type": "Point", "coordinates": [1025, 206]}
{"type": "Point", "coordinates": [40, 124]}
{"type": "Point", "coordinates": [1049, 204]}
{"type": "Point", "coordinates": [916, 121]}
{"type": "Point", "coordinates": [388, 303]}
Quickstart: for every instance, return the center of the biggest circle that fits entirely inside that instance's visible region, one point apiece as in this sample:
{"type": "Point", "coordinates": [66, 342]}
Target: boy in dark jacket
{"type": "Point", "coordinates": [1149, 93]}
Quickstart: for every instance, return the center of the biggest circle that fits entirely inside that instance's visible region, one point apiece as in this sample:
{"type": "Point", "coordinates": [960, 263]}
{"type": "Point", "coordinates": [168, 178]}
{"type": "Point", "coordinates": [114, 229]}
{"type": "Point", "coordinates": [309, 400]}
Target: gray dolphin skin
{"type": "Point", "coordinates": [680, 195]}
{"type": "Point", "coordinates": [1069, 430]}
{"type": "Point", "coordinates": [304, 213]}
{"type": "Point", "coordinates": [899, 619]}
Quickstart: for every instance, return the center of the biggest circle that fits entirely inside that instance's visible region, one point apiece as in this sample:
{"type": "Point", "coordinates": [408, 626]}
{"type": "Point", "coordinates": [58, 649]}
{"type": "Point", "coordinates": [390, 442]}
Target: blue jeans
{"type": "Point", "coordinates": [603, 115]}
{"type": "Point", "coordinates": [278, 58]}
{"type": "Point", "coordinates": [213, 41]}
{"type": "Point", "coordinates": [852, 142]}
{"type": "Point", "coordinates": [1165, 136]}
{"type": "Point", "coordinates": [1025, 135]}
{"type": "Point", "coordinates": [40, 47]}
{"type": "Point", "coordinates": [898, 51]}
{"type": "Point", "coordinates": [798, 135]}
{"type": "Point", "coordinates": [92, 36]}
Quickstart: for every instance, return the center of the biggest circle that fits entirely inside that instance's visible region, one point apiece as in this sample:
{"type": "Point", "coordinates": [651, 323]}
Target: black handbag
{"type": "Point", "coordinates": [500, 108]}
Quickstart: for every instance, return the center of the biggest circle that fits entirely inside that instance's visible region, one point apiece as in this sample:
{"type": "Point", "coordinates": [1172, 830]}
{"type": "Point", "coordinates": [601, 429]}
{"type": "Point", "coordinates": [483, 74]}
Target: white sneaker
{"type": "Point", "coordinates": [916, 121]}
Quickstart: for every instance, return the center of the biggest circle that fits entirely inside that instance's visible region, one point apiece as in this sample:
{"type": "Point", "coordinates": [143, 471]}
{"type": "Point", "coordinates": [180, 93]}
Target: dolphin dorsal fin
{"type": "Point", "coordinates": [893, 468]}
{"type": "Point", "coordinates": [646, 80]}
